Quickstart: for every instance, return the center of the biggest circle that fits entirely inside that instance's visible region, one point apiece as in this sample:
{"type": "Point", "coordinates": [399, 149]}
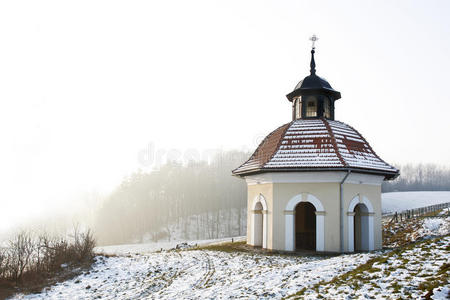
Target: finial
{"type": "Point", "coordinates": [314, 38]}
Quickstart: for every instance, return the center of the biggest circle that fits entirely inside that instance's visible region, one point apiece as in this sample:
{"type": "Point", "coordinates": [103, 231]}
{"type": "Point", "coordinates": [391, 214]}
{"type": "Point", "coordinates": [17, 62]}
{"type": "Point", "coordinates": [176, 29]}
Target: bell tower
{"type": "Point", "coordinates": [313, 97]}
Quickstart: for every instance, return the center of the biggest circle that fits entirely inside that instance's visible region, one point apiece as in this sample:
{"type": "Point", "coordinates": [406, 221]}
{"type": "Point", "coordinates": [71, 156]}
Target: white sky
{"type": "Point", "coordinates": [85, 86]}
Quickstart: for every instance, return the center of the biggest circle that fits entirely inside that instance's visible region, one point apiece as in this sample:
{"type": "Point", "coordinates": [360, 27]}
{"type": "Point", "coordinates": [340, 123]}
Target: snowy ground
{"type": "Point", "coordinates": [208, 274]}
{"type": "Point", "coordinates": [200, 274]}
{"type": "Point", "coordinates": [399, 201]}
{"type": "Point", "coordinates": [409, 273]}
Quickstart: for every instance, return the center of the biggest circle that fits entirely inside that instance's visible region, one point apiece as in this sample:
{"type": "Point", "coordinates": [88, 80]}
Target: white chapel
{"type": "Point", "coordinates": [314, 183]}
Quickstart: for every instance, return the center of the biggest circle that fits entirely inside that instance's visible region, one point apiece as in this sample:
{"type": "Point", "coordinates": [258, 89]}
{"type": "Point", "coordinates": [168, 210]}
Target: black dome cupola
{"type": "Point", "coordinates": [313, 97]}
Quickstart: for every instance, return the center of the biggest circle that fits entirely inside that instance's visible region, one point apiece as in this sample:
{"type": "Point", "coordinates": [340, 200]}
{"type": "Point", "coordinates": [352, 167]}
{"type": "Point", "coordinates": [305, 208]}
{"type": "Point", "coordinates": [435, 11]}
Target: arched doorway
{"type": "Point", "coordinates": [258, 235]}
{"type": "Point", "coordinates": [305, 226]}
{"type": "Point", "coordinates": [258, 225]}
{"type": "Point", "coordinates": [360, 224]}
{"type": "Point", "coordinates": [302, 202]}
{"type": "Point", "coordinates": [361, 228]}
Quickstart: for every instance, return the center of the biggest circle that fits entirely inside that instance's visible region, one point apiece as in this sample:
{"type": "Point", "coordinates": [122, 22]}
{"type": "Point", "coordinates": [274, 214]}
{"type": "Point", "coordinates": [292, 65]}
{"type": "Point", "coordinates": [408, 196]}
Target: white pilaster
{"type": "Point", "coordinates": [351, 231]}
{"type": "Point", "coordinates": [264, 242]}
{"type": "Point", "coordinates": [371, 233]}
{"type": "Point", "coordinates": [320, 231]}
{"type": "Point", "coordinates": [289, 231]}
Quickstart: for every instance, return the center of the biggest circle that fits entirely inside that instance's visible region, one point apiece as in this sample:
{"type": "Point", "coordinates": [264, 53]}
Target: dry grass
{"type": "Point", "coordinates": [402, 233]}
{"type": "Point", "coordinates": [229, 247]}
{"type": "Point", "coordinates": [243, 247]}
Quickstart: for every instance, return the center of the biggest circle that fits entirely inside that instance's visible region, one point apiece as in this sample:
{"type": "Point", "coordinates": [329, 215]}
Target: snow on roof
{"type": "Point", "coordinates": [315, 144]}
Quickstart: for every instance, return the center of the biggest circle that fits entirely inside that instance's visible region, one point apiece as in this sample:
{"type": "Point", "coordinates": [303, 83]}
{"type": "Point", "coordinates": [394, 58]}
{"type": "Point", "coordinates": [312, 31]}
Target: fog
{"type": "Point", "coordinates": [179, 200]}
{"type": "Point", "coordinates": [186, 200]}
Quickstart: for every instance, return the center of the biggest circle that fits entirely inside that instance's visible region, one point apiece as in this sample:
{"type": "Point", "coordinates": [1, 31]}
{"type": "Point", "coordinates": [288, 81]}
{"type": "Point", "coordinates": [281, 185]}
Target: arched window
{"type": "Point", "coordinates": [326, 108]}
{"type": "Point", "coordinates": [311, 107]}
{"type": "Point", "coordinates": [298, 108]}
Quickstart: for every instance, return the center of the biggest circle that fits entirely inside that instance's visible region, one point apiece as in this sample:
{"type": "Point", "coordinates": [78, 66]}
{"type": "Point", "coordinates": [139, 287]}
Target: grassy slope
{"type": "Point", "coordinates": [410, 254]}
{"type": "Point", "coordinates": [405, 271]}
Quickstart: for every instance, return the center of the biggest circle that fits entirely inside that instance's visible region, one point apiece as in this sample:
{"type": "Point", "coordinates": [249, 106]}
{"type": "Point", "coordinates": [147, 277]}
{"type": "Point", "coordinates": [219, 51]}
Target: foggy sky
{"type": "Point", "coordinates": [87, 86]}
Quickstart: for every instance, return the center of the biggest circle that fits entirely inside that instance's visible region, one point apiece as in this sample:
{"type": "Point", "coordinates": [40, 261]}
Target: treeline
{"type": "Point", "coordinates": [199, 200]}
{"type": "Point", "coordinates": [419, 177]}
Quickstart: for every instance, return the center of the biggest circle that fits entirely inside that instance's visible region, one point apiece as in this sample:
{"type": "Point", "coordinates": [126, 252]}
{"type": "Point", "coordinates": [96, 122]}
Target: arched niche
{"type": "Point", "coordinates": [258, 234]}
{"type": "Point", "coordinates": [360, 214]}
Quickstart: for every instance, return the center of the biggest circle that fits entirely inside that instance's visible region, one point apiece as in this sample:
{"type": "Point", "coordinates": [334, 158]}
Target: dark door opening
{"type": "Point", "coordinates": [305, 226]}
{"type": "Point", "coordinates": [361, 228]}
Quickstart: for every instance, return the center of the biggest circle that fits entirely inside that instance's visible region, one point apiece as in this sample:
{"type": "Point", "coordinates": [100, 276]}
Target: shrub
{"type": "Point", "coordinates": [29, 257]}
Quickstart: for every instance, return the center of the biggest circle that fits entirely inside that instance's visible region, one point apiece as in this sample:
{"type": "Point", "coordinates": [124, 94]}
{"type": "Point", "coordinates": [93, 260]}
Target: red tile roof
{"type": "Point", "coordinates": [315, 144]}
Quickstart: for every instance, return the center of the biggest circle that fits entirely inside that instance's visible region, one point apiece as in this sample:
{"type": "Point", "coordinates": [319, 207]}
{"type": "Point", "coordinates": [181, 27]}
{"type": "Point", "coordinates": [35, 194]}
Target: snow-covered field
{"type": "Point", "coordinates": [399, 201]}
{"type": "Point", "coordinates": [138, 272]}
{"type": "Point", "coordinates": [200, 274]}
{"type": "Point", "coordinates": [210, 274]}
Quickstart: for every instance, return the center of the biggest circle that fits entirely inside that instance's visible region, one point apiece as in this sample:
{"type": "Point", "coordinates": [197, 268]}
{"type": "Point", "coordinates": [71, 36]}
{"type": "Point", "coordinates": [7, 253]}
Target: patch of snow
{"type": "Point", "coordinates": [445, 212]}
{"type": "Point", "coordinates": [436, 226]}
{"type": "Point", "coordinates": [433, 224]}
{"type": "Point", "coordinates": [441, 293]}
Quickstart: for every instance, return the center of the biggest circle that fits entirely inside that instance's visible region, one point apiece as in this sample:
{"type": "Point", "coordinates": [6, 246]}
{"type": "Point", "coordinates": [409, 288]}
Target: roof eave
{"type": "Point", "coordinates": [387, 175]}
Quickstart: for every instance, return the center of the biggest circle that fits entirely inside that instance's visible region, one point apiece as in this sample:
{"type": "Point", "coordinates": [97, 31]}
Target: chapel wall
{"type": "Point", "coordinates": [327, 193]}
{"type": "Point", "coordinates": [373, 194]}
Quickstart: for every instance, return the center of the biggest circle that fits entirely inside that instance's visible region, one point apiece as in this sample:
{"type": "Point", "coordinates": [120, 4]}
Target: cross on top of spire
{"type": "Point", "coordinates": [313, 39]}
{"type": "Point", "coordinates": [314, 85]}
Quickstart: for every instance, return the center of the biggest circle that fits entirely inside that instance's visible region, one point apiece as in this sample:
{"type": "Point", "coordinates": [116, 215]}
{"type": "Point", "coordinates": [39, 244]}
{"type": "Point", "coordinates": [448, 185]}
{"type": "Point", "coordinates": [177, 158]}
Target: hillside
{"type": "Point", "coordinates": [233, 270]}
{"type": "Point", "coordinates": [398, 201]}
